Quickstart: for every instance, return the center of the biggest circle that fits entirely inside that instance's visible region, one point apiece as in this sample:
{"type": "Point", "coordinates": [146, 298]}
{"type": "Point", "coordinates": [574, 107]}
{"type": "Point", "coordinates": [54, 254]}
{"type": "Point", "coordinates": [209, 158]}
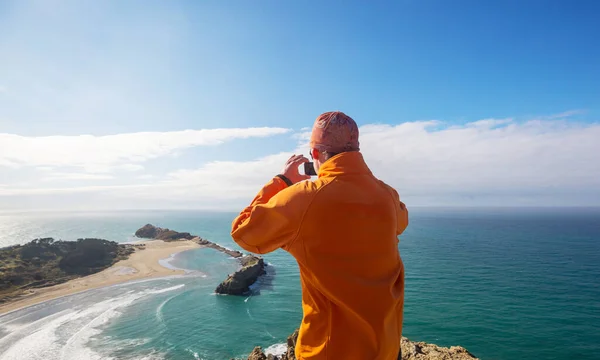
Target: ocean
{"type": "Point", "coordinates": [504, 283]}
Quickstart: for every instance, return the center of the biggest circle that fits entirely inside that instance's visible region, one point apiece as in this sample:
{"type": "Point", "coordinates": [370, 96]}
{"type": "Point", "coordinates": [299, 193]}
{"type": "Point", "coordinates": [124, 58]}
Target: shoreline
{"type": "Point", "coordinates": [142, 264]}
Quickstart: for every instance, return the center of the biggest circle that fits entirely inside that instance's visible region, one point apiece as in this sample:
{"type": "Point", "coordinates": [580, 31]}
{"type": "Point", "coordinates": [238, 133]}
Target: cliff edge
{"type": "Point", "coordinates": [410, 351]}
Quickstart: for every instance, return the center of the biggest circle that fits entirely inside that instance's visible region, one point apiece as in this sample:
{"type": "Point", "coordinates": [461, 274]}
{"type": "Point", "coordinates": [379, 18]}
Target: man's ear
{"type": "Point", "coordinates": [315, 153]}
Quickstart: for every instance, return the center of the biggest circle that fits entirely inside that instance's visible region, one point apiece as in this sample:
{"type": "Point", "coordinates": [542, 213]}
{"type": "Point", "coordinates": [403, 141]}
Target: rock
{"type": "Point", "coordinates": [291, 343]}
{"type": "Point", "coordinates": [147, 231]}
{"type": "Point", "coordinates": [257, 354]}
{"type": "Point", "coordinates": [239, 282]}
{"type": "Point", "coordinates": [201, 241]}
{"type": "Point", "coordinates": [410, 351]}
{"type": "Point", "coordinates": [150, 231]}
{"type": "Point", "coordinates": [423, 351]}
{"type": "Point", "coordinates": [206, 243]}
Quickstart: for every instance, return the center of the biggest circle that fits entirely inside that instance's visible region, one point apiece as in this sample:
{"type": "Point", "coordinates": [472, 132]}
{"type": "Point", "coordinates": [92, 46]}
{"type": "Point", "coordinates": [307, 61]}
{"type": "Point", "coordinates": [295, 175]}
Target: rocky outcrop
{"type": "Point", "coordinates": [150, 231]}
{"type": "Point", "coordinates": [239, 282]}
{"type": "Point", "coordinates": [410, 351]}
{"type": "Point", "coordinates": [204, 242]}
{"type": "Point", "coordinates": [258, 354]}
{"type": "Point", "coordinates": [423, 351]}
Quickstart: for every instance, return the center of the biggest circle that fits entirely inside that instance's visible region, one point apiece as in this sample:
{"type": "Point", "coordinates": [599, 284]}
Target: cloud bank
{"type": "Point", "coordinates": [487, 162]}
{"type": "Point", "coordinates": [105, 153]}
{"type": "Point", "coordinates": [488, 159]}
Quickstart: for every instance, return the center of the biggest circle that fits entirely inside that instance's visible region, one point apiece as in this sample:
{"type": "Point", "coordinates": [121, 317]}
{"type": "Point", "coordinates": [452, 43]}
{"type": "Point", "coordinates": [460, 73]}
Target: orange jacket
{"type": "Point", "coordinates": [342, 229]}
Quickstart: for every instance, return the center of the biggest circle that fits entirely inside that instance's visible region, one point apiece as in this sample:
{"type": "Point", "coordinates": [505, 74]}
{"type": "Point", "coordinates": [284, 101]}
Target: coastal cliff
{"type": "Point", "coordinates": [237, 283]}
{"type": "Point", "coordinates": [410, 351]}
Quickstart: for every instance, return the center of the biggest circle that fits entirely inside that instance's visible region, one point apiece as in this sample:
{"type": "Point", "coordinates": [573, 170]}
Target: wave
{"type": "Point", "coordinates": [167, 263]}
{"type": "Point", "coordinates": [166, 290]}
{"type": "Point", "coordinates": [127, 342]}
{"type": "Point", "coordinates": [159, 309]}
{"type": "Point", "coordinates": [194, 354]}
{"type": "Point", "coordinates": [65, 334]}
{"type": "Point", "coordinates": [276, 349]}
{"type": "Point", "coordinates": [159, 315]}
{"type": "Point", "coordinates": [153, 355]}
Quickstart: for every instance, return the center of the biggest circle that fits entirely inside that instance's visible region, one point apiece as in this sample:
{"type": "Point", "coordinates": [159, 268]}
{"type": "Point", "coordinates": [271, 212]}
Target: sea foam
{"type": "Point", "coordinates": [276, 350]}
{"type": "Point", "coordinates": [65, 334]}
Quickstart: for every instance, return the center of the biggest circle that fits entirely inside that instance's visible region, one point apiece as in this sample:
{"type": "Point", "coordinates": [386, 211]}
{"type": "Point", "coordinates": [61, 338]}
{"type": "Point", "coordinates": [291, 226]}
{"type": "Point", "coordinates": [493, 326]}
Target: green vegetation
{"type": "Point", "coordinates": [45, 262]}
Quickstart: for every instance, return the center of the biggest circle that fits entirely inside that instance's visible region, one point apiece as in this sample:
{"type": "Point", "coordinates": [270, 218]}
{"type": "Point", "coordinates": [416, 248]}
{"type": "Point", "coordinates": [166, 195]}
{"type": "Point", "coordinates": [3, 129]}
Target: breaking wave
{"type": "Point", "coordinates": [64, 335]}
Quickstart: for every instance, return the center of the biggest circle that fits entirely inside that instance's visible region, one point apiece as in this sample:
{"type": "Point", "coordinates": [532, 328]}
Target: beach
{"type": "Point", "coordinates": [143, 264]}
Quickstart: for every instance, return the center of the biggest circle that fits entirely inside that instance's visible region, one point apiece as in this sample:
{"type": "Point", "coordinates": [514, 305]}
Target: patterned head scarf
{"type": "Point", "coordinates": [334, 132]}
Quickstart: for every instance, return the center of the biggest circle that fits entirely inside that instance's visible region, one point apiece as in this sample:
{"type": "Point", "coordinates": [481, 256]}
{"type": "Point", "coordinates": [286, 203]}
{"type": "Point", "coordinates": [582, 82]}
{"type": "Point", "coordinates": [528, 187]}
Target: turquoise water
{"type": "Point", "coordinates": [504, 283]}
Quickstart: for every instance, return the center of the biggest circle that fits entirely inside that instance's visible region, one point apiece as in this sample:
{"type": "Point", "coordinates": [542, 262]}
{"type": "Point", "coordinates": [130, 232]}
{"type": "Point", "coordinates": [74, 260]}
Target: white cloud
{"type": "Point", "coordinates": [488, 123]}
{"type": "Point", "coordinates": [566, 114]}
{"type": "Point", "coordinates": [59, 176]}
{"type": "Point", "coordinates": [19, 190]}
{"type": "Point", "coordinates": [214, 181]}
{"type": "Point", "coordinates": [130, 167]}
{"type": "Point", "coordinates": [230, 179]}
{"type": "Point", "coordinates": [105, 153]}
{"type": "Point", "coordinates": [490, 162]}
{"type": "Point", "coordinates": [477, 161]}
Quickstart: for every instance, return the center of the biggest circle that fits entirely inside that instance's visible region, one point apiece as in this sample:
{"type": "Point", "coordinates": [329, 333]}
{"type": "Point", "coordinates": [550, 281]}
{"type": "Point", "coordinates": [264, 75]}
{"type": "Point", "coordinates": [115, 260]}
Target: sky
{"type": "Point", "coordinates": [197, 104]}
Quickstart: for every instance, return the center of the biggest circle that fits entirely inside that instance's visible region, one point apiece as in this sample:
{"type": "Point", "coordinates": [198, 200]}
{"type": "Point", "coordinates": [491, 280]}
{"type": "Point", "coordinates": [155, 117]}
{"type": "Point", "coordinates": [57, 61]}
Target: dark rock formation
{"type": "Point", "coordinates": [150, 231]}
{"type": "Point", "coordinates": [45, 262]}
{"type": "Point", "coordinates": [239, 282]}
{"type": "Point", "coordinates": [147, 231]}
{"type": "Point", "coordinates": [410, 351]}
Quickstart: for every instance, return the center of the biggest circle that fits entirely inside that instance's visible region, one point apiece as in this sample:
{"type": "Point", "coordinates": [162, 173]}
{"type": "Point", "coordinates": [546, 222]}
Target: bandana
{"type": "Point", "coordinates": [334, 132]}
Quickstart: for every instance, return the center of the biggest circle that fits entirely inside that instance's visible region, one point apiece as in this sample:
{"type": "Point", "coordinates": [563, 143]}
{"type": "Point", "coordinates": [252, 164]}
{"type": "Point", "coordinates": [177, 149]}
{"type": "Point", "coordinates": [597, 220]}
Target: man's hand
{"type": "Point", "coordinates": [290, 169]}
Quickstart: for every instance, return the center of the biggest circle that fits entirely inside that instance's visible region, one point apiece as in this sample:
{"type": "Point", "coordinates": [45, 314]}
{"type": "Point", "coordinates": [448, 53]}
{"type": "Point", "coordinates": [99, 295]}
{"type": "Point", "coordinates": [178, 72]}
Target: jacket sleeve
{"type": "Point", "coordinates": [401, 211]}
{"type": "Point", "coordinates": [273, 218]}
{"type": "Point", "coordinates": [402, 222]}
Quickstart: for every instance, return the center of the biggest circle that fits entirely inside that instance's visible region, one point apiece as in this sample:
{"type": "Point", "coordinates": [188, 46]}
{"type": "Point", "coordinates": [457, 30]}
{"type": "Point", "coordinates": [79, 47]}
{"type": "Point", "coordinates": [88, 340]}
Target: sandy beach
{"type": "Point", "coordinates": [143, 264]}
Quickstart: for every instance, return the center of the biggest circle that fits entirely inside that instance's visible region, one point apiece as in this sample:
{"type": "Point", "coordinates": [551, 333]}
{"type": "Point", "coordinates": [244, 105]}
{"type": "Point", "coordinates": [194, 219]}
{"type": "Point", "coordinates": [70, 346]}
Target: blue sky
{"type": "Point", "coordinates": [113, 68]}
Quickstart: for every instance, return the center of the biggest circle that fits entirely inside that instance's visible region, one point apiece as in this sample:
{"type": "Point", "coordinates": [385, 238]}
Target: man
{"type": "Point", "coordinates": [343, 230]}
